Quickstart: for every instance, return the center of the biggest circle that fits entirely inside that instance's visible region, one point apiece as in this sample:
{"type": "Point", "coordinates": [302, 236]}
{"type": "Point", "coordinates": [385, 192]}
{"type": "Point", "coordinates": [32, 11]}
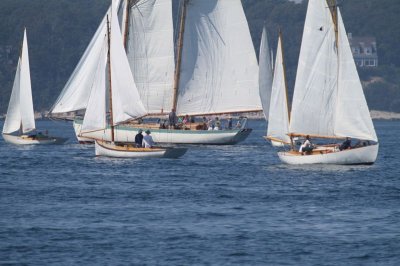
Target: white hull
{"type": "Point", "coordinates": [277, 144]}
{"type": "Point", "coordinates": [105, 149]}
{"type": "Point", "coordinates": [18, 140]}
{"type": "Point", "coordinates": [127, 134]}
{"type": "Point", "coordinates": [362, 155]}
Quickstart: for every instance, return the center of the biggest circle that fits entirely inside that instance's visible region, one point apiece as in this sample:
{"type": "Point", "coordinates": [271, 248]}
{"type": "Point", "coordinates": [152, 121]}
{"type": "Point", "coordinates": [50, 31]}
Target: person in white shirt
{"type": "Point", "coordinates": [307, 146]}
{"type": "Point", "coordinates": [148, 141]}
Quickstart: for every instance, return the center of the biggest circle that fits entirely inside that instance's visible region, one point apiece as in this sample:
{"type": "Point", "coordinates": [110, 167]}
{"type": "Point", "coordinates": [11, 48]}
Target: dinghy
{"type": "Point", "coordinates": [19, 127]}
{"type": "Point", "coordinates": [328, 101]}
{"type": "Point", "coordinates": [116, 99]}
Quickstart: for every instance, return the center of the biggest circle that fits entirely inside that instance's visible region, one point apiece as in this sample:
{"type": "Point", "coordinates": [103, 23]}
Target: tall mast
{"type": "Point", "coordinates": [127, 17]}
{"type": "Point", "coordinates": [179, 56]}
{"type": "Point", "coordinates": [129, 5]}
{"type": "Point", "coordinates": [284, 73]}
{"type": "Point", "coordinates": [333, 7]}
{"type": "Point", "coordinates": [109, 81]}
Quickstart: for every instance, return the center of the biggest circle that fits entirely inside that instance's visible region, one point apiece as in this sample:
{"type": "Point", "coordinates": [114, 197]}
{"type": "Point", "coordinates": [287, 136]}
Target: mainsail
{"type": "Point", "coordinates": [315, 92]}
{"type": "Point", "coordinates": [278, 120]}
{"type": "Point", "coordinates": [126, 101]}
{"type": "Point", "coordinates": [150, 50]}
{"type": "Point", "coordinates": [265, 73]}
{"type": "Point", "coordinates": [219, 71]}
{"type": "Point", "coordinates": [20, 109]}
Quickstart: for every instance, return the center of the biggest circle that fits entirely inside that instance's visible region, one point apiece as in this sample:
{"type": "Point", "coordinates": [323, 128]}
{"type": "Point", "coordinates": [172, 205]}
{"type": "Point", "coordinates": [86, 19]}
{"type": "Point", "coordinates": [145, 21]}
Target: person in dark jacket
{"type": "Point", "coordinates": [172, 118]}
{"type": "Point", "coordinates": [346, 144]}
{"type": "Point", "coordinates": [139, 139]}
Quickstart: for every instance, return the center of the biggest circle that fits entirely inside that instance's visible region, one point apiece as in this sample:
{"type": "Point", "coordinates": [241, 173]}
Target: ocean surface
{"type": "Point", "coordinates": [217, 205]}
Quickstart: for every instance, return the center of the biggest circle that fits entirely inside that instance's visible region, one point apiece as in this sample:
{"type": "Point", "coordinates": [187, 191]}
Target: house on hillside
{"type": "Point", "coordinates": [364, 51]}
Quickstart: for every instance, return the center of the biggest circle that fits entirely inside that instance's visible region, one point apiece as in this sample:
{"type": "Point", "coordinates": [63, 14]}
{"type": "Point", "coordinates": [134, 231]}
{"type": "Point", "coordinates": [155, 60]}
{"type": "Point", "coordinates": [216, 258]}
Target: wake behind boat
{"type": "Point", "coordinates": [19, 126]}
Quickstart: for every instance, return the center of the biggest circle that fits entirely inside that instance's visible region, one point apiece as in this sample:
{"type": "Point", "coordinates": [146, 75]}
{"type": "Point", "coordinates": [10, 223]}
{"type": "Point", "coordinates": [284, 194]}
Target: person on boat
{"type": "Point", "coordinates": [238, 124]}
{"type": "Point", "coordinates": [217, 124]}
{"type": "Point", "coordinates": [173, 119]}
{"type": "Point", "coordinates": [230, 122]}
{"type": "Point", "coordinates": [205, 122]}
{"type": "Point", "coordinates": [210, 124]}
{"type": "Point", "coordinates": [139, 139]}
{"type": "Point", "coordinates": [346, 144]}
{"type": "Point", "coordinates": [306, 146]}
{"type": "Point", "coordinates": [148, 141]}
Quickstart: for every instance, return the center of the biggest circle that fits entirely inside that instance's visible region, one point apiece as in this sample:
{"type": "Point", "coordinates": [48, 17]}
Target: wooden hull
{"type": "Point", "coordinates": [20, 140]}
{"type": "Point", "coordinates": [108, 149]}
{"type": "Point", "coordinates": [362, 155]}
{"type": "Point", "coordinates": [127, 134]}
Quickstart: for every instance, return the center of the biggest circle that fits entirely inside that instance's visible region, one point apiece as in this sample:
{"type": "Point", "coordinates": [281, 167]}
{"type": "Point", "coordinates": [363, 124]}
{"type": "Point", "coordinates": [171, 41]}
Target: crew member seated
{"type": "Point", "coordinates": [346, 144]}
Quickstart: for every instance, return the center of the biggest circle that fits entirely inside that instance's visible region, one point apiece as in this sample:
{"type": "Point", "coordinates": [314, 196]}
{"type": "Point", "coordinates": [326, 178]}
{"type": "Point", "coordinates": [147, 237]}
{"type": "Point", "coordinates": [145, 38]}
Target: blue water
{"type": "Point", "coordinates": [218, 205]}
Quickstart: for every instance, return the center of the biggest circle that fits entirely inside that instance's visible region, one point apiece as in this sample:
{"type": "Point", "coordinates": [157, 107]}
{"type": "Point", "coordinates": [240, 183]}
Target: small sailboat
{"type": "Point", "coordinates": [19, 127]}
{"type": "Point", "coordinates": [124, 101]}
{"type": "Point", "coordinates": [328, 101]}
{"type": "Point", "coordinates": [215, 72]}
{"type": "Point", "coordinates": [278, 114]}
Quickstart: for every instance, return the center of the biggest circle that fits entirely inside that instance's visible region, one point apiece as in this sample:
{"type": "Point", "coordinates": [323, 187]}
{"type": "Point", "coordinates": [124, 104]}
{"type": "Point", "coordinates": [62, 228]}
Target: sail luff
{"type": "Point", "coordinates": [265, 73]}
{"type": "Point", "coordinates": [110, 94]}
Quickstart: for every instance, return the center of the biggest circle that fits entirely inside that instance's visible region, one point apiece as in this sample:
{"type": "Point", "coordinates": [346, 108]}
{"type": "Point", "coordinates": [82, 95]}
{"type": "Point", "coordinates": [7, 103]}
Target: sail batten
{"type": "Point", "coordinates": [219, 72]}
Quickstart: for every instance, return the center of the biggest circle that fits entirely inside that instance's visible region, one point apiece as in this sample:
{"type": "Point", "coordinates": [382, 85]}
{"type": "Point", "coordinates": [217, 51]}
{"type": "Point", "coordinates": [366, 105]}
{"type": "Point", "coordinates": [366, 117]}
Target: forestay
{"type": "Point", "coordinates": [20, 109]}
{"type": "Point", "coordinates": [352, 114]}
{"type": "Point", "coordinates": [150, 50]}
{"type": "Point", "coordinates": [219, 72]}
{"type": "Point", "coordinates": [278, 121]}
{"type": "Point", "coordinates": [265, 73]}
{"type": "Point", "coordinates": [315, 93]}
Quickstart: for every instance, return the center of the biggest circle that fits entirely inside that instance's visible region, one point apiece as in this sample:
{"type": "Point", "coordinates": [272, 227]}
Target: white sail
{"type": "Point", "coordinates": [95, 115]}
{"type": "Point", "coordinates": [315, 93]}
{"type": "Point", "coordinates": [20, 110]}
{"type": "Point", "coordinates": [75, 95]}
{"type": "Point", "coordinates": [278, 120]}
{"type": "Point", "coordinates": [150, 50]}
{"type": "Point", "coordinates": [13, 118]}
{"type": "Point", "coordinates": [265, 73]}
{"type": "Point", "coordinates": [126, 99]}
{"type": "Point", "coordinates": [352, 114]}
{"type": "Point", "coordinates": [219, 71]}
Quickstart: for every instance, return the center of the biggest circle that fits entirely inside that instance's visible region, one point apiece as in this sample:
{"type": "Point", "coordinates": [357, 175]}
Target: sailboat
{"type": "Point", "coordinates": [215, 73]}
{"type": "Point", "coordinates": [278, 114]}
{"type": "Point", "coordinates": [19, 127]}
{"type": "Point", "coordinates": [123, 100]}
{"type": "Point", "coordinates": [328, 101]}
